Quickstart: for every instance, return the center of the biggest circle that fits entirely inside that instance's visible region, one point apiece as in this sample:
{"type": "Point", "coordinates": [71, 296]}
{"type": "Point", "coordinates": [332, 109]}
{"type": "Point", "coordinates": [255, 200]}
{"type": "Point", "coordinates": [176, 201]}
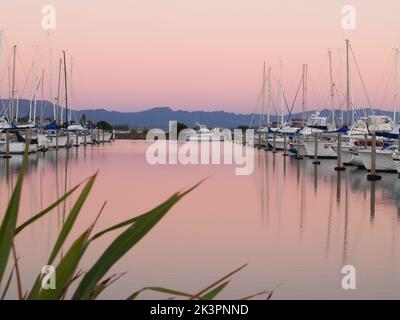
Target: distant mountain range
{"type": "Point", "coordinates": [159, 117]}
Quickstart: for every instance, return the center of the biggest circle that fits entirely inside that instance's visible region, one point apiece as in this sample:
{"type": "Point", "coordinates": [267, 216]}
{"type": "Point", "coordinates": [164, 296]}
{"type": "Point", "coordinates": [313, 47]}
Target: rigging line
{"type": "Point", "coordinates": [359, 74]}
{"type": "Point", "coordinates": [26, 81]}
{"type": "Point", "coordinates": [386, 82]}
{"type": "Point", "coordinates": [318, 97]}
{"type": "Point", "coordinates": [273, 105]}
{"type": "Point", "coordinates": [272, 100]}
{"type": "Point", "coordinates": [256, 108]}
{"type": "Point", "coordinates": [270, 97]}
{"type": "Point", "coordinates": [23, 69]}
{"type": "Point", "coordinates": [294, 100]}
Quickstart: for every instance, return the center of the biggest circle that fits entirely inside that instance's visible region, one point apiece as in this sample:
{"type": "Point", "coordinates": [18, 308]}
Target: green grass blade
{"type": "Point", "coordinates": [134, 219]}
{"type": "Point", "coordinates": [66, 269]}
{"type": "Point", "coordinates": [17, 273]}
{"type": "Point", "coordinates": [47, 210]}
{"type": "Point", "coordinates": [71, 218]}
{"type": "Point", "coordinates": [7, 228]}
{"type": "Point", "coordinates": [134, 295]}
{"type": "Point", "coordinates": [7, 286]}
{"type": "Point", "coordinates": [200, 294]}
{"type": "Point", "coordinates": [214, 292]}
{"type": "Point", "coordinates": [261, 293]}
{"type": "Point", "coordinates": [122, 244]}
{"type": "Point", "coordinates": [67, 226]}
{"type": "Point", "coordinates": [105, 284]}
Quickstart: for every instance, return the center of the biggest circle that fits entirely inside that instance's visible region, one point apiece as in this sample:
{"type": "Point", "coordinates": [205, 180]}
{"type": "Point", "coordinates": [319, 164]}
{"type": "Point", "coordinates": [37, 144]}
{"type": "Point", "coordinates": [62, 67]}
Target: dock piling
{"type": "Point", "coordinates": [274, 143]}
{"type": "Point", "coordinates": [285, 145]}
{"type": "Point", "coordinates": [373, 176]}
{"type": "Point", "coordinates": [7, 155]}
{"type": "Point", "coordinates": [316, 161]}
{"type": "Point", "coordinates": [298, 155]}
{"type": "Point", "coordinates": [339, 166]}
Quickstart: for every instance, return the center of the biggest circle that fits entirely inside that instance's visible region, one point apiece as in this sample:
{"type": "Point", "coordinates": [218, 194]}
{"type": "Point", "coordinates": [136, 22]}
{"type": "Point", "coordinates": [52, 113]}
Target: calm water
{"type": "Point", "coordinates": [294, 223]}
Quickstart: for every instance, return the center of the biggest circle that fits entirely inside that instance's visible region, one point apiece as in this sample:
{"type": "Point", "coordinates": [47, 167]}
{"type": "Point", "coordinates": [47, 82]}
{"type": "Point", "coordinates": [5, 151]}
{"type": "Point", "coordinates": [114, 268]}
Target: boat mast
{"type": "Point", "coordinates": [332, 93]}
{"type": "Point", "coordinates": [11, 111]}
{"type": "Point", "coordinates": [58, 88]}
{"type": "Point", "coordinates": [32, 85]}
{"type": "Point", "coordinates": [70, 89]}
{"type": "Point", "coordinates": [41, 98]}
{"type": "Point", "coordinates": [66, 89]}
{"type": "Point", "coordinates": [51, 77]}
{"type": "Point", "coordinates": [262, 117]}
{"type": "Point", "coordinates": [396, 84]}
{"type": "Point", "coordinates": [268, 95]}
{"type": "Point", "coordinates": [281, 90]}
{"type": "Point", "coordinates": [1, 46]}
{"type": "Point", "coordinates": [304, 102]}
{"type": "Point", "coordinates": [17, 107]}
{"type": "Point", "coordinates": [348, 83]}
{"type": "Point", "coordinates": [35, 100]}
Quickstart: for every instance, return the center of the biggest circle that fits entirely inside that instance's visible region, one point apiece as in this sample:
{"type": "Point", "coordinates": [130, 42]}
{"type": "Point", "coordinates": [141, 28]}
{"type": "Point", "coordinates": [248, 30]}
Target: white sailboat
{"type": "Point", "coordinates": [16, 139]}
{"type": "Point", "coordinates": [385, 157]}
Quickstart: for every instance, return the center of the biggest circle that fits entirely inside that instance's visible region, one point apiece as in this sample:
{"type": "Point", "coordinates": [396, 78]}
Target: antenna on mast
{"type": "Point", "coordinates": [66, 90]}
{"type": "Point", "coordinates": [332, 91]}
{"type": "Point", "coordinates": [305, 66]}
{"type": "Point", "coordinates": [11, 108]}
{"type": "Point", "coordinates": [268, 95]}
{"type": "Point", "coordinates": [396, 84]}
{"type": "Point", "coordinates": [281, 90]}
{"type": "Point", "coordinates": [348, 83]}
{"type": "Point", "coordinates": [262, 117]}
{"type": "Point", "coordinates": [51, 77]}
{"type": "Point", "coordinates": [59, 87]}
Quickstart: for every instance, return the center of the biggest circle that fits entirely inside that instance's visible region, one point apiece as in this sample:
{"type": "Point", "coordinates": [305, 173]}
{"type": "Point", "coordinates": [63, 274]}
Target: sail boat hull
{"type": "Point", "coordinates": [17, 148]}
{"type": "Point", "coordinates": [62, 141]}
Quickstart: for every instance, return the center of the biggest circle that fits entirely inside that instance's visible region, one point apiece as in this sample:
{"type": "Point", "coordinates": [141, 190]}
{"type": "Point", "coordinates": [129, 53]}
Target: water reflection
{"type": "Point", "coordinates": [295, 222]}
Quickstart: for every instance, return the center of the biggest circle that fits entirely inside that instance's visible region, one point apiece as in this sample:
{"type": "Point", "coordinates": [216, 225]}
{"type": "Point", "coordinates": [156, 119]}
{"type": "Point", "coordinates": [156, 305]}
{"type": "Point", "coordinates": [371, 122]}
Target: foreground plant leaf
{"type": "Point", "coordinates": [134, 295]}
{"type": "Point", "coordinates": [47, 210]}
{"type": "Point", "coordinates": [66, 268]}
{"type": "Point", "coordinates": [68, 224]}
{"type": "Point", "coordinates": [105, 284]}
{"type": "Point", "coordinates": [7, 228]}
{"type": "Point", "coordinates": [7, 286]}
{"type": "Point", "coordinates": [214, 292]}
{"type": "Point", "coordinates": [122, 244]}
{"type": "Point", "coordinates": [134, 219]}
{"type": "Point", "coordinates": [66, 229]}
{"type": "Point", "coordinates": [202, 292]}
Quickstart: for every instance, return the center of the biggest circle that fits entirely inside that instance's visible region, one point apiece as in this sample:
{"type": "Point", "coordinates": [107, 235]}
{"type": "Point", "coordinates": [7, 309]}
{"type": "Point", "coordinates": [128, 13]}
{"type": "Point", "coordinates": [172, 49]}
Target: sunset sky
{"type": "Point", "coordinates": [202, 55]}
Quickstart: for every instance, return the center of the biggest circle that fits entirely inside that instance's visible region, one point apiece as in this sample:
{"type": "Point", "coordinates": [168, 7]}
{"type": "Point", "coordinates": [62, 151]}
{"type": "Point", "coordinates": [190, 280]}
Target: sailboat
{"type": "Point", "coordinates": [318, 131]}
{"type": "Point", "coordinates": [13, 138]}
{"type": "Point", "coordinates": [387, 132]}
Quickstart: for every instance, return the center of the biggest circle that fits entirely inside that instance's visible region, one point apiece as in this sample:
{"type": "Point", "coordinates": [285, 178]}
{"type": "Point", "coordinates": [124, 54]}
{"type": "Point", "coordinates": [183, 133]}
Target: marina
{"type": "Point", "coordinates": [289, 215]}
{"type": "Point", "coordinates": [199, 150]}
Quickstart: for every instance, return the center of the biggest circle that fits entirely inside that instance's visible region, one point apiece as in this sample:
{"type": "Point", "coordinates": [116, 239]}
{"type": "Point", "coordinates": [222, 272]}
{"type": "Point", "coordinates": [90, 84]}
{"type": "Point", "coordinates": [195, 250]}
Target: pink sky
{"type": "Point", "coordinates": [202, 55]}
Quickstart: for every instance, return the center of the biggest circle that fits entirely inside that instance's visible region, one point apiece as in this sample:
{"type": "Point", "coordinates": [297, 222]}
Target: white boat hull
{"type": "Point", "coordinates": [206, 138]}
{"type": "Point", "coordinates": [396, 161]}
{"type": "Point", "coordinates": [348, 153]}
{"type": "Point", "coordinates": [384, 159]}
{"type": "Point", "coordinates": [302, 149]}
{"type": "Point", "coordinates": [17, 148]}
{"type": "Point", "coordinates": [62, 141]}
{"type": "Point", "coordinates": [324, 150]}
{"type": "Point", "coordinates": [279, 143]}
